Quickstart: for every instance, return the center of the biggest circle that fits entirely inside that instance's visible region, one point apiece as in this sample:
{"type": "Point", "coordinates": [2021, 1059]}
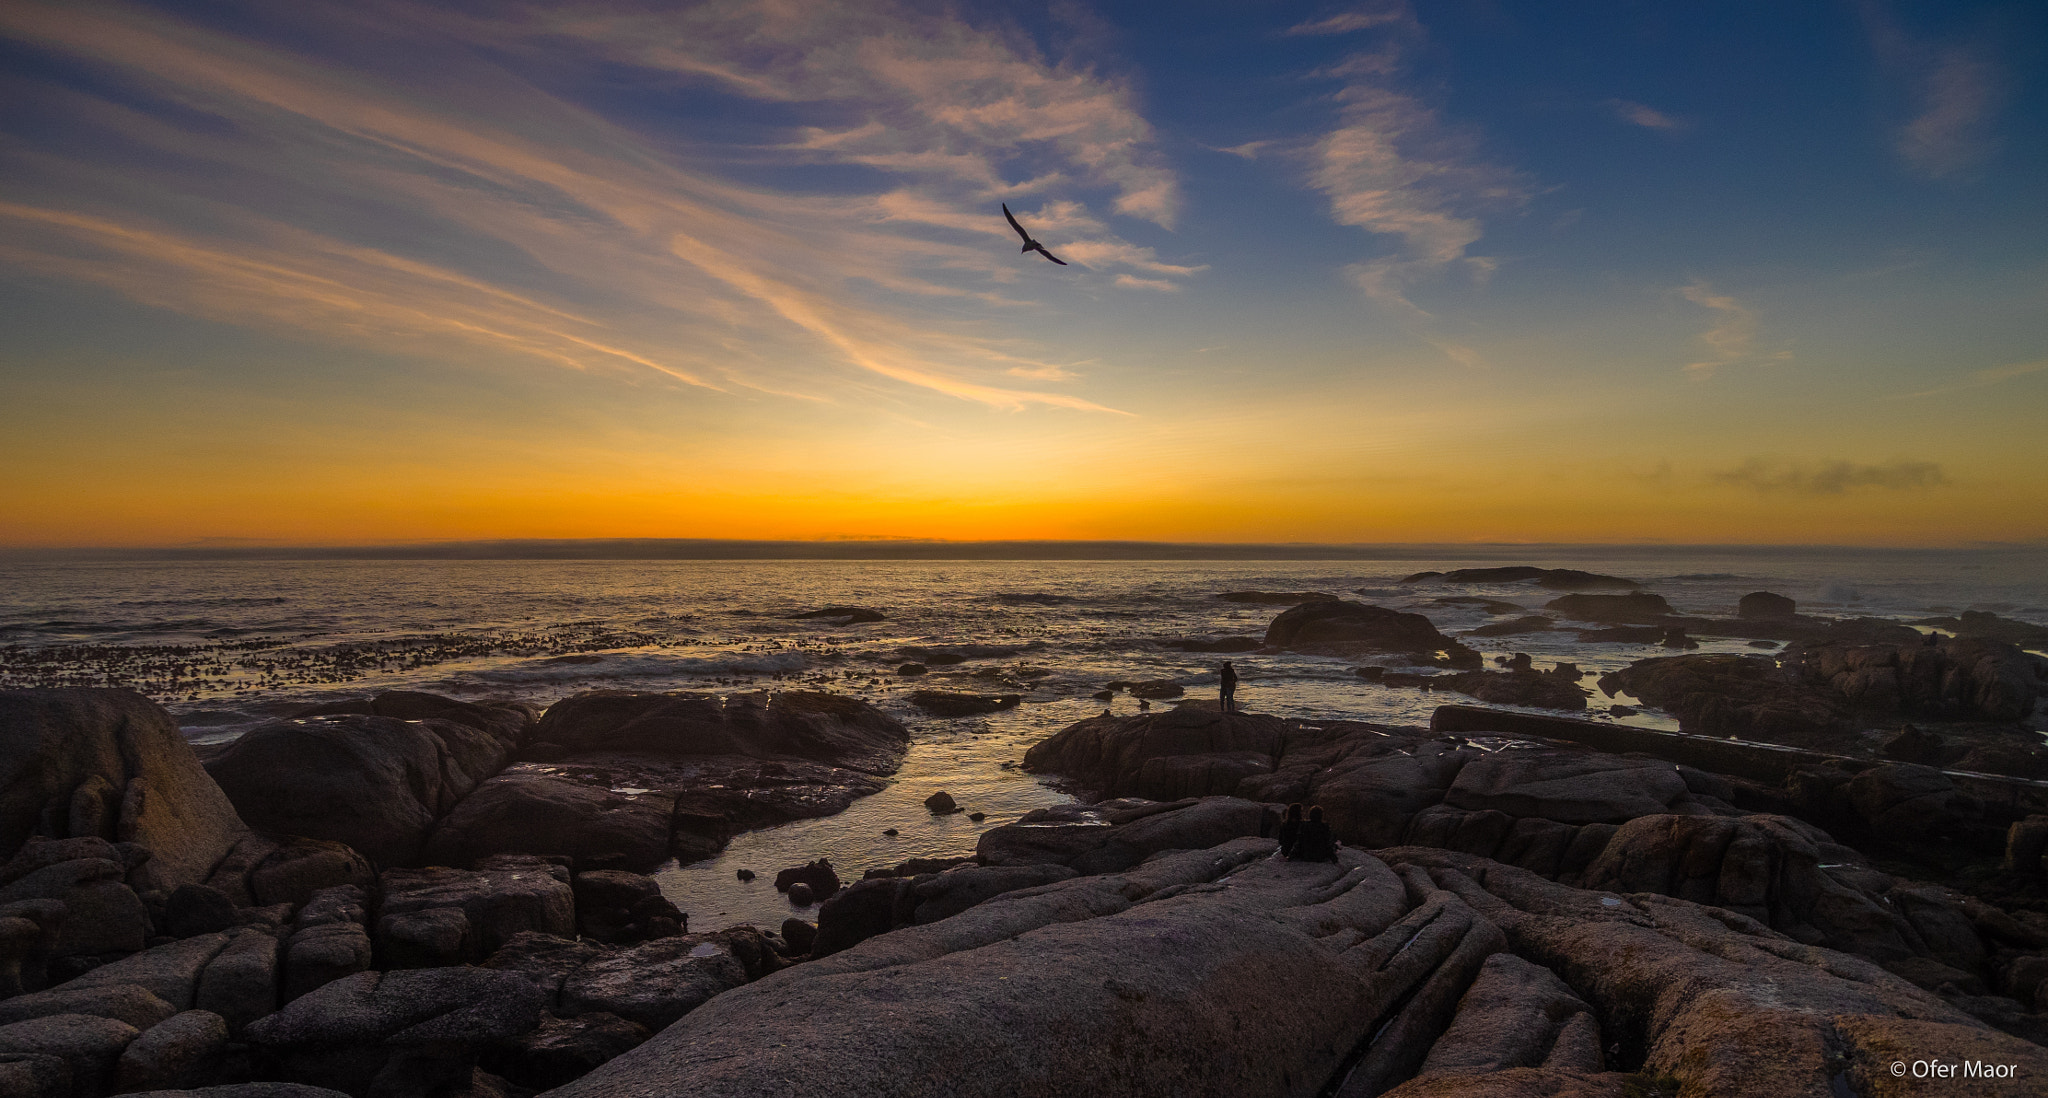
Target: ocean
{"type": "Point", "coordinates": [226, 645]}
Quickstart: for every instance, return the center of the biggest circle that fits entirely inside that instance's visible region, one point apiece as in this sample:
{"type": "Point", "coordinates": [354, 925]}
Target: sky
{"type": "Point", "coordinates": [1471, 271]}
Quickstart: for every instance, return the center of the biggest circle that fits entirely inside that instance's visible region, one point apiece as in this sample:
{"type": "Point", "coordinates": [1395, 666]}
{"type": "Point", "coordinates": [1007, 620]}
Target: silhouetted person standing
{"type": "Point", "coordinates": [1229, 687]}
{"type": "Point", "coordinates": [1290, 829]}
{"type": "Point", "coordinates": [1314, 843]}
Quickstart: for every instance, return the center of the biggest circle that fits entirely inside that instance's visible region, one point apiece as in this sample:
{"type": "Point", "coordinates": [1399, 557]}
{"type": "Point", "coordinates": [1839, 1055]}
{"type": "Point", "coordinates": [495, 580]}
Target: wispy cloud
{"type": "Point", "coordinates": [1829, 478]}
{"type": "Point", "coordinates": [492, 220]}
{"type": "Point", "coordinates": [932, 94]}
{"type": "Point", "coordinates": [1637, 114]}
{"type": "Point", "coordinates": [1732, 334]}
{"type": "Point", "coordinates": [1394, 168]}
{"type": "Point", "coordinates": [1731, 338]}
{"type": "Point", "coordinates": [1951, 93]}
{"type": "Point", "coordinates": [1979, 379]}
{"type": "Point", "coordinates": [1364, 17]}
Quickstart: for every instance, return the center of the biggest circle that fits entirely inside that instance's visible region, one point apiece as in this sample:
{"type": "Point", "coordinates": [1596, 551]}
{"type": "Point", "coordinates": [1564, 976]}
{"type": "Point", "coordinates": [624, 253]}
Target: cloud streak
{"type": "Point", "coordinates": [491, 217]}
{"type": "Point", "coordinates": [1392, 167]}
{"type": "Point", "coordinates": [1981, 379]}
{"type": "Point", "coordinates": [1637, 114]}
{"type": "Point", "coordinates": [1829, 478]}
{"type": "Point", "coordinates": [1951, 93]}
{"type": "Point", "coordinates": [1730, 338]}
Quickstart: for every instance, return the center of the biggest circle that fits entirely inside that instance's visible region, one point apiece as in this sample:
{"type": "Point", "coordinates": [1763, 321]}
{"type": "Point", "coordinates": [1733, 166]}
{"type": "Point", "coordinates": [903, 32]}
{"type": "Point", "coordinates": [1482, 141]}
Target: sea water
{"type": "Point", "coordinates": [228, 645]}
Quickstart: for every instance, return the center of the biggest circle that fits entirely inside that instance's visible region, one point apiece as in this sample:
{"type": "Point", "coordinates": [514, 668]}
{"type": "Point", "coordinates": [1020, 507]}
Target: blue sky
{"type": "Point", "coordinates": [1339, 272]}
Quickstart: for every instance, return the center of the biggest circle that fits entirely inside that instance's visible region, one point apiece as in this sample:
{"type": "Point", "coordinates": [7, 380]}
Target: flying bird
{"type": "Point", "coordinates": [1030, 245]}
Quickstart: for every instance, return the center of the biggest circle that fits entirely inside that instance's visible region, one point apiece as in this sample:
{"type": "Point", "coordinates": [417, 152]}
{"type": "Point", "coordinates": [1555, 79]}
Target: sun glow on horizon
{"type": "Point", "coordinates": [589, 271]}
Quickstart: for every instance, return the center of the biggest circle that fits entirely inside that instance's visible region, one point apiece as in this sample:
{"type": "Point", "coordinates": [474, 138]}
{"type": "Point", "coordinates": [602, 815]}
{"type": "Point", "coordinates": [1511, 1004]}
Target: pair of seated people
{"type": "Point", "coordinates": [1307, 840]}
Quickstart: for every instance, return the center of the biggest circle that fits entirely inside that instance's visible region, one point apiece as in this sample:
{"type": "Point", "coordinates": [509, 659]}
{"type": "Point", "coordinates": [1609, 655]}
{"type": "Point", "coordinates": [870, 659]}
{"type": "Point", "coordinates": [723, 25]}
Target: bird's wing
{"type": "Point", "coordinates": [1056, 259]}
{"type": "Point", "coordinates": [1007, 216]}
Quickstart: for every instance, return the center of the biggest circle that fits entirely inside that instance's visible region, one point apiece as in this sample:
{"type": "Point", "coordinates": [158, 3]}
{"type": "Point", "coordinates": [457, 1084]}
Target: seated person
{"type": "Point", "coordinates": [1315, 842]}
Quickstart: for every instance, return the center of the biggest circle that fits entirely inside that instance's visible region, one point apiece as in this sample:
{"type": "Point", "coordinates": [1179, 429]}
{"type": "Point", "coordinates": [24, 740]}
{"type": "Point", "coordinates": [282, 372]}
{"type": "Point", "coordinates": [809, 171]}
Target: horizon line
{"type": "Point", "coordinates": [945, 549]}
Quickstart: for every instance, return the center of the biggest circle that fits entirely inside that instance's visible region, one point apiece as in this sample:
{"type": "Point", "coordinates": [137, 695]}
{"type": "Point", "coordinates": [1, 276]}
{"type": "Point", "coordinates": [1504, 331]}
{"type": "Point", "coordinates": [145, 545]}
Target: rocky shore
{"type": "Point", "coordinates": [407, 895]}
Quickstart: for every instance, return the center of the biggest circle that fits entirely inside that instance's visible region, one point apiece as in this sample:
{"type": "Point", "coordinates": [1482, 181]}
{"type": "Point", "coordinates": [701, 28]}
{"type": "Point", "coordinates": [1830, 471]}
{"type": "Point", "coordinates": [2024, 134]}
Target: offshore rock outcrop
{"type": "Point", "coordinates": [1811, 690]}
{"type": "Point", "coordinates": [1344, 628]}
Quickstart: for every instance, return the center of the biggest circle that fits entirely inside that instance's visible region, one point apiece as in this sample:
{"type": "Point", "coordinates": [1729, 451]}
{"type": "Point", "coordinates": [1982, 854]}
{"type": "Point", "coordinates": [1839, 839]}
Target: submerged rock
{"type": "Point", "coordinates": [943, 703]}
{"type": "Point", "coordinates": [1561, 579]}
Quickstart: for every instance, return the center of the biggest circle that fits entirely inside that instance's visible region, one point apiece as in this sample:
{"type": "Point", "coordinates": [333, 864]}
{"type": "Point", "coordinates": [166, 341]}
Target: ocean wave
{"type": "Point", "coordinates": [635, 665]}
{"type": "Point", "coordinates": [97, 627]}
{"type": "Point", "coordinates": [210, 600]}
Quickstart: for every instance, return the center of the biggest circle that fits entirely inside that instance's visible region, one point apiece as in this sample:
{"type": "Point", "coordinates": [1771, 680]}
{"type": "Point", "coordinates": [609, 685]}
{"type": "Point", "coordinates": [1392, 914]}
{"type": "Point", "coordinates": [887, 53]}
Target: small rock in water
{"type": "Point", "coordinates": [745, 874]}
{"type": "Point", "coordinates": [1158, 689]}
{"type": "Point", "coordinates": [822, 879]}
{"type": "Point", "coordinates": [800, 894]}
{"type": "Point", "coordinates": [1622, 710]}
{"type": "Point", "coordinates": [941, 803]}
{"type": "Point", "coordinates": [1103, 695]}
{"type": "Point", "coordinates": [911, 669]}
{"type": "Point", "coordinates": [891, 831]}
{"type": "Point", "coordinates": [977, 817]}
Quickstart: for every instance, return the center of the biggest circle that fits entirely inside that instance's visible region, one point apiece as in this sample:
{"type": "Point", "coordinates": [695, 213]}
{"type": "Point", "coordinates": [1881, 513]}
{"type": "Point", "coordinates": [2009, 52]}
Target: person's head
{"type": "Point", "coordinates": [1227, 667]}
{"type": "Point", "coordinates": [1315, 815]}
{"type": "Point", "coordinates": [1294, 811]}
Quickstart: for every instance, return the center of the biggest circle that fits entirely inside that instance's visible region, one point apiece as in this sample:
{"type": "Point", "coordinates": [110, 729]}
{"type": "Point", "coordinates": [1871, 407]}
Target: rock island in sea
{"type": "Point", "coordinates": [1821, 857]}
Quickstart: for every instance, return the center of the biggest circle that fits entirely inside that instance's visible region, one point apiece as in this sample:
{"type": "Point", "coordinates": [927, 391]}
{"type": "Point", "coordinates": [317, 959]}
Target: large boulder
{"type": "Point", "coordinates": [1765, 606]}
{"type": "Point", "coordinates": [1116, 835]}
{"type": "Point", "coordinates": [508, 722]}
{"type": "Point", "coordinates": [374, 783]}
{"type": "Point", "coordinates": [656, 982]}
{"type": "Point", "coordinates": [562, 1049]}
{"type": "Point", "coordinates": [1569, 787]}
{"type": "Point", "coordinates": [89, 1046]}
{"type": "Point", "coordinates": [129, 1003]}
{"type": "Point", "coordinates": [1715, 1001]}
{"type": "Point", "coordinates": [183, 1051]}
{"type": "Point", "coordinates": [1956, 678]}
{"type": "Point", "coordinates": [110, 764]}
{"type": "Point", "coordinates": [484, 907]}
{"type": "Point", "coordinates": [1345, 628]}
{"type": "Point", "coordinates": [264, 870]}
{"type": "Point", "coordinates": [328, 940]}
{"type": "Point", "coordinates": [419, 1030]}
{"type": "Point", "coordinates": [1727, 695]}
{"type": "Point", "coordinates": [798, 724]}
{"type": "Point", "coordinates": [537, 810]}
{"type": "Point", "coordinates": [1189, 750]}
{"type": "Point", "coordinates": [87, 875]}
